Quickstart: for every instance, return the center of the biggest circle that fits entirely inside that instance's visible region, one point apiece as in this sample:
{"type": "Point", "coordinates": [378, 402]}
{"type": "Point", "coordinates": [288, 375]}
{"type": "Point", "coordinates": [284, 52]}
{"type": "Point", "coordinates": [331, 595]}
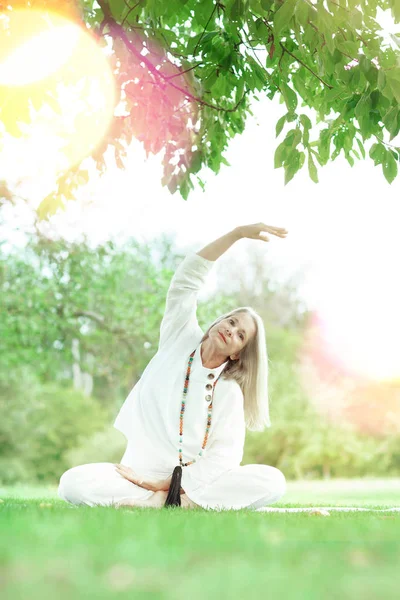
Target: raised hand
{"type": "Point", "coordinates": [259, 231]}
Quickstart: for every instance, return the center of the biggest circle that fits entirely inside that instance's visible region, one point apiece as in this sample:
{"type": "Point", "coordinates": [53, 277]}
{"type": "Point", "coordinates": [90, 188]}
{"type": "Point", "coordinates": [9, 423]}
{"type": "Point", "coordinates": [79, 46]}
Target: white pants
{"type": "Point", "coordinates": [100, 484]}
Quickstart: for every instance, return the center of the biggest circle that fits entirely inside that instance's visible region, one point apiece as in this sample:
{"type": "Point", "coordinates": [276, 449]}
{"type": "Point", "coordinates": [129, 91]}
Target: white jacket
{"type": "Point", "coordinates": [149, 417]}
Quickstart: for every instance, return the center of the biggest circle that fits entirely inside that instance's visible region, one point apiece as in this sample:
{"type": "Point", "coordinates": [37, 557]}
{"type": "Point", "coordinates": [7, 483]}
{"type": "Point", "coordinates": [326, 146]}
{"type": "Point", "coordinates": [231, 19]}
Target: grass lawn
{"type": "Point", "coordinates": [67, 552]}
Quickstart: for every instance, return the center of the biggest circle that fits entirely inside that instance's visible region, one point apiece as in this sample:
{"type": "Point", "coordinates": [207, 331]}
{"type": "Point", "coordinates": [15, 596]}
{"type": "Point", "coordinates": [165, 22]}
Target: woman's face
{"type": "Point", "coordinates": [233, 333]}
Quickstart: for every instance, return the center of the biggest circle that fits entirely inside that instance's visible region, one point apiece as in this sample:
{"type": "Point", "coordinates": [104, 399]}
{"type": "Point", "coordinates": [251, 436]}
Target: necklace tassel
{"type": "Point", "coordinates": [174, 496]}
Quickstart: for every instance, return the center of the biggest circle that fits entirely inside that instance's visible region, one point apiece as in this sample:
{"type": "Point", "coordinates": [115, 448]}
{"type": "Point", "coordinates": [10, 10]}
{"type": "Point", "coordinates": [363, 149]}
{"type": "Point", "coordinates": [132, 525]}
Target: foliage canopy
{"type": "Point", "coordinates": [187, 70]}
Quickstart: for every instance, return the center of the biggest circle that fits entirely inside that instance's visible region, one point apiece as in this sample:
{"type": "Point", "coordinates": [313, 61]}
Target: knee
{"type": "Point", "coordinates": [279, 483]}
{"type": "Point", "coordinates": [68, 488]}
{"type": "Point", "coordinates": [274, 482]}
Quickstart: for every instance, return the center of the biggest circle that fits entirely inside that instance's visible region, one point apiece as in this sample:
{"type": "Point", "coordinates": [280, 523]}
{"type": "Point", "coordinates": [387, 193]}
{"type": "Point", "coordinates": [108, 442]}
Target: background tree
{"type": "Point", "coordinates": [187, 72]}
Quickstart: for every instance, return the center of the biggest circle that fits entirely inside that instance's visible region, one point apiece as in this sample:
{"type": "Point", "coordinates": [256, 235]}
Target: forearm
{"type": "Point", "coordinates": [167, 482]}
{"type": "Point", "coordinates": [214, 250]}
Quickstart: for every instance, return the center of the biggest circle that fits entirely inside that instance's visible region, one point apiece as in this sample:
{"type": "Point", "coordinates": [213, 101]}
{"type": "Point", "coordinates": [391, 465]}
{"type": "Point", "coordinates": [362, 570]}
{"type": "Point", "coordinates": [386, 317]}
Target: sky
{"type": "Point", "coordinates": [343, 236]}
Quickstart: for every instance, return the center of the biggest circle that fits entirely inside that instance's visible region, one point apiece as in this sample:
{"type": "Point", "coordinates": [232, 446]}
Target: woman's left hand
{"type": "Point", "coordinates": [153, 485]}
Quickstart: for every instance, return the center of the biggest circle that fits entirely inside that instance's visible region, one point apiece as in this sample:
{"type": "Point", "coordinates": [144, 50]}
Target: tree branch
{"type": "Point", "coordinates": [258, 60]}
{"type": "Point", "coordinates": [268, 26]}
{"type": "Point", "coordinates": [306, 66]}
{"type": "Point", "coordinates": [204, 30]}
{"type": "Point", "coordinates": [387, 143]}
{"type": "Point", "coordinates": [183, 72]}
{"type": "Point", "coordinates": [129, 12]}
{"type": "Point", "coordinates": [342, 7]}
{"type": "Point", "coordinates": [119, 31]}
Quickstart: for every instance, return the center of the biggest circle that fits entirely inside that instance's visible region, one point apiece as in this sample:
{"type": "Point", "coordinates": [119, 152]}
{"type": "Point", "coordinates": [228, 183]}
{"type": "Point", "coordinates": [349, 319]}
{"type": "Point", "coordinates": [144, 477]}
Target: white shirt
{"type": "Point", "coordinates": [149, 417]}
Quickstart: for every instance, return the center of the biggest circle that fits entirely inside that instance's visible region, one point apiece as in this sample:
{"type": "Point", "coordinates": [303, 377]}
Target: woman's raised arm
{"type": "Point", "coordinates": [254, 232]}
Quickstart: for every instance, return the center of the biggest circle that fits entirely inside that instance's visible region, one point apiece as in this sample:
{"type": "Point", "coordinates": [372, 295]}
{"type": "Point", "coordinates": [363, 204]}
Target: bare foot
{"type": "Point", "coordinates": [157, 500]}
{"type": "Point", "coordinates": [187, 502]}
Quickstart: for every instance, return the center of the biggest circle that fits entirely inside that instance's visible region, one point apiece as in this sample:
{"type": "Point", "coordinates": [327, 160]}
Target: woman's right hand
{"type": "Point", "coordinates": [259, 231]}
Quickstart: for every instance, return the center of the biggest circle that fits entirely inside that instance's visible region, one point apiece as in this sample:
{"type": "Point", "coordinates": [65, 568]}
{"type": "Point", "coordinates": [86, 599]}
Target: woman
{"type": "Point", "coordinates": [185, 419]}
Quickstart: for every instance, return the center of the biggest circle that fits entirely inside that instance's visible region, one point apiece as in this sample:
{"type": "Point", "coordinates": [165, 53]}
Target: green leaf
{"type": "Point", "coordinates": [389, 167]}
{"type": "Point", "coordinates": [395, 39]}
{"type": "Point", "coordinates": [327, 26]}
{"type": "Point", "coordinates": [360, 145]}
{"type": "Point", "coordinates": [347, 47]}
{"type": "Point", "coordinates": [238, 10]}
{"type": "Point", "coordinates": [391, 121]}
{"type": "Point", "coordinates": [239, 89]}
{"type": "Point", "coordinates": [378, 153]}
{"type": "Point", "coordinates": [292, 165]}
{"type": "Point", "coordinates": [184, 189]}
{"type": "Point", "coordinates": [279, 126]}
{"type": "Point", "coordinates": [280, 155]}
{"type": "Point", "coordinates": [381, 83]}
{"type": "Point", "coordinates": [312, 169]}
{"type": "Point", "coordinates": [376, 97]}
{"type": "Point", "coordinates": [283, 16]}
{"type": "Point", "coordinates": [335, 153]}
{"type": "Point", "coordinates": [259, 72]}
{"type": "Point", "coordinates": [396, 11]}
{"type": "Point", "coordinates": [324, 146]}
{"type": "Point", "coordinates": [302, 158]}
{"type": "Point", "coordinates": [289, 96]}
{"type": "Point", "coordinates": [293, 138]}
{"type": "Point", "coordinates": [306, 137]}
{"type": "Point", "coordinates": [266, 4]}
{"type": "Point", "coordinates": [395, 154]}
{"type": "Point", "coordinates": [394, 85]}
{"type": "Point", "coordinates": [118, 8]}
{"type": "Point", "coordinates": [305, 121]}
{"type": "Point", "coordinates": [301, 12]}
{"type": "Point", "coordinates": [363, 105]}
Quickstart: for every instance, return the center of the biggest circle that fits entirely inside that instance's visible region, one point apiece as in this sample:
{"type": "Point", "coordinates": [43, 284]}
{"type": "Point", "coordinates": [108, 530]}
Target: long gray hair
{"type": "Point", "coordinates": [250, 370]}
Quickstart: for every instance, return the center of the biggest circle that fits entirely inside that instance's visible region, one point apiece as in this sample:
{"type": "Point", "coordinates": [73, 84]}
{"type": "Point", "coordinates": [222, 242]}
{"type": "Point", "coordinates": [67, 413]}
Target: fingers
{"type": "Point", "coordinates": [128, 474]}
{"type": "Point", "coordinates": [279, 231]}
{"type": "Point", "coordinates": [274, 228]}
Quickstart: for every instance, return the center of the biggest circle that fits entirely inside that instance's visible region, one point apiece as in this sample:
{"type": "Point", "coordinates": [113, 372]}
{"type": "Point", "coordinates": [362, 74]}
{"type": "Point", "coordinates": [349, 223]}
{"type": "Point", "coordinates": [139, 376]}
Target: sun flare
{"type": "Point", "coordinates": [31, 61]}
{"type": "Point", "coordinates": [350, 357]}
{"type": "Point", "coordinates": [57, 88]}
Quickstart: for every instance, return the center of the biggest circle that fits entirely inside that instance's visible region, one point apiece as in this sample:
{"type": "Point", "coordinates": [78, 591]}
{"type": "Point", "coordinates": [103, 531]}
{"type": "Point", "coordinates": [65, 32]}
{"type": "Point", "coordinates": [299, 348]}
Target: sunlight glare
{"type": "Point", "coordinates": [350, 356]}
{"type": "Point", "coordinates": [55, 75]}
{"type": "Point", "coordinates": [32, 61]}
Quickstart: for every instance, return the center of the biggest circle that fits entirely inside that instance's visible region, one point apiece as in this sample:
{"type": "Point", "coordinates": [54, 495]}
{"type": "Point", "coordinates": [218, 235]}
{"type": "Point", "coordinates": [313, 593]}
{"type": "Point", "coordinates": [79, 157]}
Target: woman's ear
{"type": "Point", "coordinates": [234, 357]}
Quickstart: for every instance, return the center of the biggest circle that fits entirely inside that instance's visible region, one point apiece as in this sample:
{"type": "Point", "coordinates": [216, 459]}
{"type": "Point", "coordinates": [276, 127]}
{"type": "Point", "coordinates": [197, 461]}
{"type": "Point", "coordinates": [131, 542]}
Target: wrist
{"type": "Point", "coordinates": [237, 233]}
{"type": "Point", "coordinates": [166, 483]}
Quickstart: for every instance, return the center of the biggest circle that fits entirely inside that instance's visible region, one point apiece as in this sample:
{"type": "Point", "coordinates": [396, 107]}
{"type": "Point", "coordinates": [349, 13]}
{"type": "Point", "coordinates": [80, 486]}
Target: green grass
{"type": "Point", "coordinates": [63, 551]}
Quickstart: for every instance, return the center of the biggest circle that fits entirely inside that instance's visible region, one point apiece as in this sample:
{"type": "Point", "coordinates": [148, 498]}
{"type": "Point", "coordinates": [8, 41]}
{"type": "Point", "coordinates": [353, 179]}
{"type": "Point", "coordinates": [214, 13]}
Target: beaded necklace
{"type": "Point", "coordinates": [185, 390]}
{"type": "Point", "coordinates": [173, 498]}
